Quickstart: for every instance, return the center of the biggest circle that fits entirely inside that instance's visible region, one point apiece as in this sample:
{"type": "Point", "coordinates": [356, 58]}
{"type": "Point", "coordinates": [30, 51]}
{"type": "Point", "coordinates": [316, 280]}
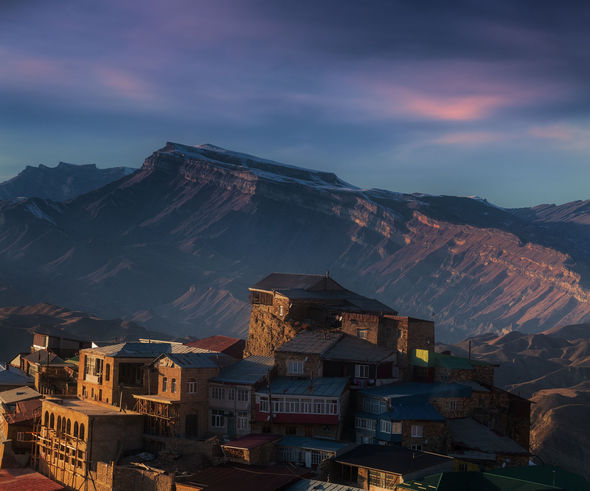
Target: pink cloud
{"type": "Point", "coordinates": [555, 132]}
{"type": "Point", "coordinates": [124, 83]}
{"type": "Point", "coordinates": [460, 108]}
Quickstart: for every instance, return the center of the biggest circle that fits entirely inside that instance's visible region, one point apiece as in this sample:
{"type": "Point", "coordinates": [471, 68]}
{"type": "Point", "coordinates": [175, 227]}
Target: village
{"type": "Point", "coordinates": [331, 390]}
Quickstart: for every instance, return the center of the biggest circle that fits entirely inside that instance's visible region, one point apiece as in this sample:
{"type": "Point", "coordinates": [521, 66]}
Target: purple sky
{"type": "Point", "coordinates": [434, 97]}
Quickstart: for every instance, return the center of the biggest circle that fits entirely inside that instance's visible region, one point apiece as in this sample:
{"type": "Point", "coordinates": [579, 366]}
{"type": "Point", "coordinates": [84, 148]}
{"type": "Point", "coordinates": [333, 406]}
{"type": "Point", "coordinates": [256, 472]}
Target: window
{"type": "Point", "coordinates": [362, 333]}
{"type": "Point", "coordinates": [76, 429]}
{"type": "Point", "coordinates": [374, 406]}
{"type": "Point", "coordinates": [361, 371]}
{"type": "Point", "coordinates": [51, 421]}
{"type": "Point", "coordinates": [453, 405]}
{"type": "Point", "coordinates": [58, 428]}
{"type": "Point", "coordinates": [417, 431]}
{"type": "Point", "coordinates": [217, 393]}
{"type": "Point", "coordinates": [173, 386]}
{"type": "Point", "coordinates": [278, 405]}
{"type": "Point", "coordinates": [242, 420]}
{"type": "Point", "coordinates": [192, 386]}
{"type": "Point", "coordinates": [164, 384]}
{"type": "Point", "coordinates": [382, 479]}
{"type": "Point", "coordinates": [20, 436]}
{"type": "Point", "coordinates": [264, 405]}
{"type": "Point", "coordinates": [243, 395]}
{"type": "Point", "coordinates": [385, 426]}
{"type": "Point", "coordinates": [107, 373]}
{"type": "Point", "coordinates": [318, 406]}
{"type": "Point", "coordinates": [316, 457]}
{"type": "Point", "coordinates": [82, 431]}
{"type": "Point", "coordinates": [364, 424]}
{"type": "Point", "coordinates": [84, 393]}
{"type": "Point", "coordinates": [396, 427]}
{"type": "Point", "coordinates": [69, 427]}
{"type": "Point", "coordinates": [216, 418]}
{"type": "Point", "coordinates": [292, 405]}
{"type": "Point", "coordinates": [46, 420]}
{"type": "Point", "coordinates": [305, 406]}
{"type": "Point", "coordinates": [281, 310]}
{"type": "Point", "coordinates": [231, 394]}
{"type": "Point", "coordinates": [295, 367]}
{"type": "Point", "coordinates": [332, 406]}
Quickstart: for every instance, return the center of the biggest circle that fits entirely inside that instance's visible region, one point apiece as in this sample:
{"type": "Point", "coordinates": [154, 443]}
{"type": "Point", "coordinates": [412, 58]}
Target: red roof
{"type": "Point", "coordinates": [26, 480]}
{"type": "Point", "coordinates": [221, 344]}
{"type": "Point", "coordinates": [253, 440]}
{"type": "Point", "coordinates": [246, 478]}
{"type": "Point", "coordinates": [25, 411]}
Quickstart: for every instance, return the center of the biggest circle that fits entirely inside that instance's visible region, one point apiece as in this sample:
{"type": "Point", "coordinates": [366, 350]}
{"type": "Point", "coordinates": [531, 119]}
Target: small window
{"type": "Point", "coordinates": [453, 405]}
{"type": "Point", "coordinates": [69, 427]}
{"type": "Point", "coordinates": [396, 427]}
{"type": "Point", "coordinates": [173, 386]}
{"type": "Point", "coordinates": [46, 420]}
{"type": "Point", "coordinates": [217, 418]}
{"type": "Point", "coordinates": [164, 384]}
{"type": "Point", "coordinates": [107, 372]}
{"type": "Point", "coordinates": [295, 367]}
{"type": "Point", "coordinates": [361, 371]}
{"type": "Point", "coordinates": [51, 421]}
{"type": "Point", "coordinates": [362, 333]}
{"type": "Point", "coordinates": [58, 428]}
{"type": "Point", "coordinates": [82, 431]}
{"type": "Point", "coordinates": [417, 431]}
{"type": "Point", "coordinates": [217, 393]}
{"type": "Point", "coordinates": [385, 426]}
{"type": "Point", "coordinates": [20, 436]}
{"type": "Point", "coordinates": [76, 429]}
{"type": "Point", "coordinates": [243, 395]}
{"type": "Point", "coordinates": [243, 420]}
{"type": "Point", "coordinates": [192, 386]}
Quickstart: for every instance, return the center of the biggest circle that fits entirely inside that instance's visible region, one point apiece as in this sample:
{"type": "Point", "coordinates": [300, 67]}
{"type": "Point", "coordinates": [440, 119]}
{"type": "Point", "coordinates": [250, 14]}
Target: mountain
{"type": "Point", "coordinates": [60, 183]}
{"type": "Point", "coordinates": [176, 244]}
{"type": "Point", "coordinates": [552, 369]}
{"type": "Point", "coordinates": [18, 323]}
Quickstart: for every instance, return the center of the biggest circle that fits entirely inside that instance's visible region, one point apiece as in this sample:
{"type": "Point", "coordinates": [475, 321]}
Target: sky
{"type": "Point", "coordinates": [461, 98]}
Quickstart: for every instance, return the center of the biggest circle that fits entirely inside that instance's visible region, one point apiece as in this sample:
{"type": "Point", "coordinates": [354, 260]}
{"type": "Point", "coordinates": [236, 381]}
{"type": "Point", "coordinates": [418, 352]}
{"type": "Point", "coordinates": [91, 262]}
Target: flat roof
{"type": "Point", "coordinates": [19, 394]}
{"type": "Point", "coordinates": [88, 408]}
{"type": "Point", "coordinates": [394, 459]}
{"type": "Point", "coordinates": [26, 480]}
{"type": "Point", "coordinates": [252, 440]}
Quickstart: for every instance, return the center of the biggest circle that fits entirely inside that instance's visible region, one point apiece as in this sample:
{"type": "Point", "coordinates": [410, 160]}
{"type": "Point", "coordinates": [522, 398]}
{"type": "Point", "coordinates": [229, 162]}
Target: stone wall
{"type": "Point", "coordinates": [312, 364]}
{"type": "Point", "coordinates": [268, 331]}
{"type": "Point", "coordinates": [435, 437]}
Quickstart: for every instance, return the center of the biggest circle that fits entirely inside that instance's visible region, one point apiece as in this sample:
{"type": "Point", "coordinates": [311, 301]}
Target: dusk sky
{"type": "Point", "coordinates": [463, 98]}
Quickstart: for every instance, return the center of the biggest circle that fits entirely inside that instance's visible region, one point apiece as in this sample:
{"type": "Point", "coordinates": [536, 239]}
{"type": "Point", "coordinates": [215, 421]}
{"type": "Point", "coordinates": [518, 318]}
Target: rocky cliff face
{"type": "Point", "coordinates": [176, 245]}
{"type": "Point", "coordinates": [60, 183]}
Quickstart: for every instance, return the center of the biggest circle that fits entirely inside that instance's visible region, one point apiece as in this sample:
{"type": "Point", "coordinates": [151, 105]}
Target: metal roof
{"type": "Point", "coordinates": [14, 376]}
{"type": "Point", "coordinates": [24, 411]}
{"type": "Point", "coordinates": [325, 386]}
{"type": "Point", "coordinates": [290, 281]}
{"type": "Point", "coordinates": [469, 433]}
{"type": "Point", "coordinates": [311, 342]}
{"type": "Point", "coordinates": [312, 485]}
{"type": "Point", "coordinates": [351, 348]}
{"type": "Point", "coordinates": [19, 394]}
{"type": "Point", "coordinates": [221, 344]}
{"type": "Point", "coordinates": [198, 360]}
{"type": "Point", "coordinates": [313, 443]}
{"type": "Point", "coordinates": [422, 390]}
{"type": "Point", "coordinates": [413, 412]}
{"type": "Point", "coordinates": [247, 371]}
{"type": "Point", "coordinates": [392, 459]}
{"type": "Point", "coordinates": [141, 350]}
{"type": "Point", "coordinates": [252, 440]}
{"type": "Point", "coordinates": [44, 357]}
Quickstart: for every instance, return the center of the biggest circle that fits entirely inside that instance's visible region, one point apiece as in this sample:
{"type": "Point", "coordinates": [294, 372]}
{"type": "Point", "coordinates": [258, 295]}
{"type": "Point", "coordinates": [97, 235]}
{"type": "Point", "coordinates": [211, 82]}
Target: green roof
{"type": "Point", "coordinates": [531, 478]}
{"type": "Point", "coordinates": [425, 358]}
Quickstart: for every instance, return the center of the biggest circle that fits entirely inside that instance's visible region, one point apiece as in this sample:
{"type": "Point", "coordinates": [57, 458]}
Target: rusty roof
{"type": "Point", "coordinates": [19, 394]}
{"type": "Point", "coordinates": [24, 411]}
{"type": "Point", "coordinates": [221, 344]}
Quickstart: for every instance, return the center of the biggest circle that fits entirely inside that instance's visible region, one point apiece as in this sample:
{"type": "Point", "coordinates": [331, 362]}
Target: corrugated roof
{"type": "Point", "coordinates": [199, 360]}
{"type": "Point", "coordinates": [311, 342]}
{"type": "Point", "coordinates": [392, 459]}
{"type": "Point", "coordinates": [245, 478]}
{"type": "Point", "coordinates": [247, 371]}
{"type": "Point", "coordinates": [312, 443]}
{"type": "Point", "coordinates": [469, 433]}
{"type": "Point", "coordinates": [351, 348]}
{"type": "Point", "coordinates": [325, 386]}
{"type": "Point", "coordinates": [140, 350]}
{"type": "Point", "coordinates": [312, 485]}
{"type": "Point", "coordinates": [19, 394]}
{"type": "Point", "coordinates": [221, 344]}
{"type": "Point", "coordinates": [418, 390]}
{"type": "Point", "coordinates": [24, 411]}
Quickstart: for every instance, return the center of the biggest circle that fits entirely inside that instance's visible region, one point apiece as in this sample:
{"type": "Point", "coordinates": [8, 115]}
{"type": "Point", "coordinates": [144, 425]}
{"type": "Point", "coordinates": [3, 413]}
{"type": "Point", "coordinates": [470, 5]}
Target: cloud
{"type": "Point", "coordinates": [468, 138]}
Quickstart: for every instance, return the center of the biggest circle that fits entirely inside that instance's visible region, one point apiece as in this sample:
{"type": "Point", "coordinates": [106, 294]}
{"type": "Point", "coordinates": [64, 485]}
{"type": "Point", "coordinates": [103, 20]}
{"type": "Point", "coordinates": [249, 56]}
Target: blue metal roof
{"type": "Point", "coordinates": [416, 412]}
{"type": "Point", "coordinates": [311, 485]}
{"type": "Point", "coordinates": [325, 386]}
{"type": "Point", "coordinates": [417, 389]}
{"type": "Point", "coordinates": [312, 443]}
{"type": "Point", "coordinates": [247, 371]}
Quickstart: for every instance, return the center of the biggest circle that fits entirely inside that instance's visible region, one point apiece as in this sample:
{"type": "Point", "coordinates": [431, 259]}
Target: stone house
{"type": "Point", "coordinates": [176, 404]}
{"type": "Point", "coordinates": [114, 374]}
{"type": "Point", "coordinates": [76, 435]}
{"type": "Point", "coordinates": [231, 395]}
{"type": "Point", "coordinates": [302, 407]}
{"type": "Point", "coordinates": [52, 375]}
{"type": "Point", "coordinates": [284, 304]}
{"type": "Point", "coordinates": [55, 340]}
